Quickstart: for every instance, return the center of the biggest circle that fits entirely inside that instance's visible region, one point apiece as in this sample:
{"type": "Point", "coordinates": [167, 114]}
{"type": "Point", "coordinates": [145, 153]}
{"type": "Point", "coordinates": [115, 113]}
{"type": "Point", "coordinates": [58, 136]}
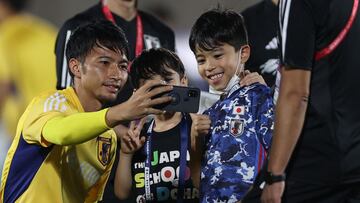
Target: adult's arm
{"type": "Point", "coordinates": [76, 128]}
{"type": "Point", "coordinates": [298, 34]}
{"type": "Point", "coordinates": [289, 120]}
{"type": "Point", "coordinates": [290, 116]}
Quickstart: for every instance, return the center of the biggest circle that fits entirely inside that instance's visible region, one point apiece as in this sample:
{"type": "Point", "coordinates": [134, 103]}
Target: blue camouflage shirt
{"type": "Point", "coordinates": [239, 138]}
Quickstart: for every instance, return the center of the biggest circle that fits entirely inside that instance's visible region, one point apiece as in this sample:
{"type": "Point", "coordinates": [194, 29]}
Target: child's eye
{"type": "Point", "coordinates": [200, 61]}
{"type": "Point", "coordinates": [218, 56]}
{"type": "Point", "coordinates": [167, 80]}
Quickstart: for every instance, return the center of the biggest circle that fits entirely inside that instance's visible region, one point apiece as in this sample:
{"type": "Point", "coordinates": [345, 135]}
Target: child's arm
{"type": "Point", "coordinates": [200, 127]}
{"type": "Point", "coordinates": [130, 142]}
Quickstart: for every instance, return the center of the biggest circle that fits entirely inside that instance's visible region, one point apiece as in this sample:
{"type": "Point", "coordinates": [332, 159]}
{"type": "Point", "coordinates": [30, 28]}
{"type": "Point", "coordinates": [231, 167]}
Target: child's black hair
{"type": "Point", "coordinates": [153, 62]}
{"type": "Point", "coordinates": [215, 27]}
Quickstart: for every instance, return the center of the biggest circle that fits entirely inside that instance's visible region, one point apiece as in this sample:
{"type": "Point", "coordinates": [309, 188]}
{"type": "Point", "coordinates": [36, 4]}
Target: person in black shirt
{"type": "Point", "coordinates": [167, 140]}
{"type": "Point", "coordinates": [142, 31]}
{"type": "Point", "coordinates": [261, 22]}
{"type": "Point", "coordinates": [317, 129]}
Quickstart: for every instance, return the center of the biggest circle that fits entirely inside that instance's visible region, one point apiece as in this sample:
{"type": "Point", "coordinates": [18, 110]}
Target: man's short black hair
{"type": "Point", "coordinates": [101, 33]}
{"type": "Point", "coordinates": [154, 62]}
{"type": "Point", "coordinates": [215, 27]}
{"type": "Point", "coordinates": [15, 5]}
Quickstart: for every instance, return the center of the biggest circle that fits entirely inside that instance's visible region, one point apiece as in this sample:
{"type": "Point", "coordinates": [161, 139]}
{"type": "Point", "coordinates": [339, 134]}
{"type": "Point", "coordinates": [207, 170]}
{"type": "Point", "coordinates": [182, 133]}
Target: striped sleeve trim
{"type": "Point", "coordinates": [65, 76]}
{"type": "Point", "coordinates": [284, 11]}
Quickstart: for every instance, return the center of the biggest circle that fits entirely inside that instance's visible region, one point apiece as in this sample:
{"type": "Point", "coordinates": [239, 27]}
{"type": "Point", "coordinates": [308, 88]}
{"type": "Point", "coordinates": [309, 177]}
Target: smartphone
{"type": "Point", "coordinates": [185, 99]}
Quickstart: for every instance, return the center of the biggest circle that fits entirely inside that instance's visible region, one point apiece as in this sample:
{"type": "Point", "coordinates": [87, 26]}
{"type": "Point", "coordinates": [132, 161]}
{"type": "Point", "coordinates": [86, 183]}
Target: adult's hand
{"type": "Point", "coordinates": [273, 193]}
{"type": "Point", "coordinates": [248, 78]}
{"type": "Point", "coordinates": [140, 104]}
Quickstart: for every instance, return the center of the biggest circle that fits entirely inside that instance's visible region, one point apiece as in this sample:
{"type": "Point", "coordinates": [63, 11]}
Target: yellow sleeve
{"type": "Point", "coordinates": [76, 128]}
{"type": "Point", "coordinates": [33, 120]}
{"type": "Point", "coordinates": [51, 120]}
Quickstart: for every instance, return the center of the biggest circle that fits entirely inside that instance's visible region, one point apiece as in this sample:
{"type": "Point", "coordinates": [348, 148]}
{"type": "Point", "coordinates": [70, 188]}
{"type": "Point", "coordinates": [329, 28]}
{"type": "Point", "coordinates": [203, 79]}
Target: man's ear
{"type": "Point", "coordinates": [245, 53]}
{"type": "Point", "coordinates": [184, 81]}
{"type": "Point", "coordinates": [74, 66]}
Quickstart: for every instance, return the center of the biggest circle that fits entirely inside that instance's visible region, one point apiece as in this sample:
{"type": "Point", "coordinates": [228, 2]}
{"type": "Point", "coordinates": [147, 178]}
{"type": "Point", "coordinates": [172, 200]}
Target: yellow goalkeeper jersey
{"type": "Point", "coordinates": [35, 171]}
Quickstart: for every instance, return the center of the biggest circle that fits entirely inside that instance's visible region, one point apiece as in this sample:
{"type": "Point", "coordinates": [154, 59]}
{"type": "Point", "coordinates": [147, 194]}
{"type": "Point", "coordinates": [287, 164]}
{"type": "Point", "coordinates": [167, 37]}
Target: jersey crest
{"type": "Point", "coordinates": [236, 127]}
{"type": "Point", "coordinates": [104, 147]}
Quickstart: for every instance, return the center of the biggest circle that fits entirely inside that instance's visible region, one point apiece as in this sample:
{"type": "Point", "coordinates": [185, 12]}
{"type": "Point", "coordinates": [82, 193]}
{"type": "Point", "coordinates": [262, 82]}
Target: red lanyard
{"type": "Point", "coordinates": [139, 27]}
{"type": "Point", "coordinates": [334, 44]}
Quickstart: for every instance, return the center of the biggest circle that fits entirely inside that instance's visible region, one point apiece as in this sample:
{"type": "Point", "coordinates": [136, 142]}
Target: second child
{"type": "Point", "coordinates": [164, 153]}
{"type": "Point", "coordinates": [228, 158]}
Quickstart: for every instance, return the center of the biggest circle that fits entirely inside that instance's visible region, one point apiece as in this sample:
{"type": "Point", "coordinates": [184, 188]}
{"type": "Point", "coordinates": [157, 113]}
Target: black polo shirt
{"type": "Point", "coordinates": [328, 150]}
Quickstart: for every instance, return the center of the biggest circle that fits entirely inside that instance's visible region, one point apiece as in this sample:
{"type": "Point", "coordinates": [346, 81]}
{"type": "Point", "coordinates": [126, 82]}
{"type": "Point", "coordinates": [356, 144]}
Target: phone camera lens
{"type": "Point", "coordinates": [176, 98]}
{"type": "Point", "coordinates": [192, 93]}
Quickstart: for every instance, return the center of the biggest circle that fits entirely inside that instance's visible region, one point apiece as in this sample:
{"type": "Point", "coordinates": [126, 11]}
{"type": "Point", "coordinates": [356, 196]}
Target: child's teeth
{"type": "Point", "coordinates": [216, 76]}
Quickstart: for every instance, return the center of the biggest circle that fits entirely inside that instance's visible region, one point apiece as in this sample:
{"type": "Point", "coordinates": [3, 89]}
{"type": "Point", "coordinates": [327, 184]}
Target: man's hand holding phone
{"type": "Point", "coordinates": [184, 99]}
{"type": "Point", "coordinates": [140, 104]}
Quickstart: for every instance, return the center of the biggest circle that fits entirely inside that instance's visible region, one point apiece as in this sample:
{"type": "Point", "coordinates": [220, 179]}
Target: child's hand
{"type": "Point", "coordinates": [131, 141]}
{"type": "Point", "coordinates": [200, 124]}
{"type": "Point", "coordinates": [248, 78]}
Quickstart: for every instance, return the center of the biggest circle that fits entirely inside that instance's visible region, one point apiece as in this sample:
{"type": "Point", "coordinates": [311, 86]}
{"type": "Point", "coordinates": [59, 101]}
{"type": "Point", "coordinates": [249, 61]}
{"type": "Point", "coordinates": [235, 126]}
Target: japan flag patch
{"type": "Point", "coordinates": [238, 110]}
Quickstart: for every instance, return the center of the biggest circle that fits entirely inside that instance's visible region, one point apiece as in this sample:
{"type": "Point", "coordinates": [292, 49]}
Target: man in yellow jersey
{"type": "Point", "coordinates": [64, 147]}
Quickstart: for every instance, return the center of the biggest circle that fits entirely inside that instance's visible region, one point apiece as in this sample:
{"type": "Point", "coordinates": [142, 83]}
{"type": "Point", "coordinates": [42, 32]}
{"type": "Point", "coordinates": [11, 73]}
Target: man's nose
{"type": "Point", "coordinates": [115, 72]}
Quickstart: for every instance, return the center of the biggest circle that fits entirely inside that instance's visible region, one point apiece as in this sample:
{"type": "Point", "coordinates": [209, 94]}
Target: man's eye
{"type": "Point", "coordinates": [123, 67]}
{"type": "Point", "coordinates": [105, 62]}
